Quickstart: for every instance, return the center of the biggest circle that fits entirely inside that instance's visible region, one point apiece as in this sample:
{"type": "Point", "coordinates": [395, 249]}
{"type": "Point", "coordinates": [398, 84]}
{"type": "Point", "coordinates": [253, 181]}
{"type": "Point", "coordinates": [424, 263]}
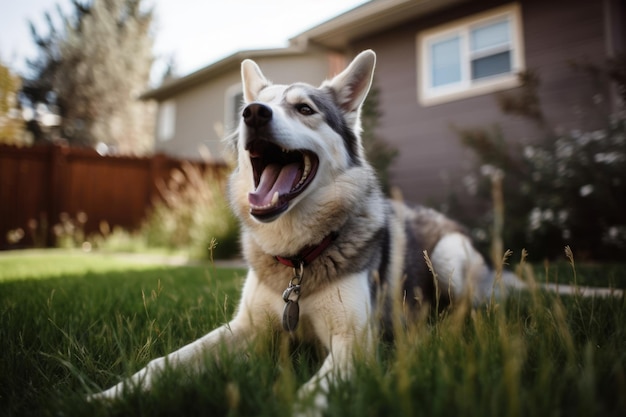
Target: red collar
{"type": "Point", "coordinates": [308, 254]}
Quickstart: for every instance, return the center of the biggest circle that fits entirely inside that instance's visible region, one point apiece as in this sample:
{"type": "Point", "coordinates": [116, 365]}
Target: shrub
{"type": "Point", "coordinates": [566, 187]}
{"type": "Point", "coordinates": [118, 239]}
{"type": "Point", "coordinates": [193, 214]}
{"type": "Point", "coordinates": [377, 150]}
{"type": "Point", "coordinates": [69, 233]}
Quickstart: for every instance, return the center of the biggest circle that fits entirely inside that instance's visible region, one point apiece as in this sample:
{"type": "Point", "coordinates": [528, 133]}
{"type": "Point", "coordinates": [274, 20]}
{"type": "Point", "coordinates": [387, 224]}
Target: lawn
{"type": "Point", "coordinates": [74, 323]}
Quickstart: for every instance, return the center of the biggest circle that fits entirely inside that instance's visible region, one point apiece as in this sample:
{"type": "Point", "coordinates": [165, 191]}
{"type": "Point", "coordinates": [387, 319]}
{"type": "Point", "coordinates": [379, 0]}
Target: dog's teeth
{"type": "Point", "coordinates": [305, 171]}
{"type": "Point", "coordinates": [307, 166]}
{"type": "Point", "coordinates": [271, 204]}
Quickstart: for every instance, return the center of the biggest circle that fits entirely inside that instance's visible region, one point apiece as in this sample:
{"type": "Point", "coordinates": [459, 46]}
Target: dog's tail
{"type": "Point", "coordinates": [507, 282]}
{"type": "Point", "coordinates": [489, 283]}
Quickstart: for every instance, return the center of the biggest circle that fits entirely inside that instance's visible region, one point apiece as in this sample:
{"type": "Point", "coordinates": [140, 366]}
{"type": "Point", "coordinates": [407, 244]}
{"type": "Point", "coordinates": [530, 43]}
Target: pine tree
{"type": "Point", "coordinates": [94, 71]}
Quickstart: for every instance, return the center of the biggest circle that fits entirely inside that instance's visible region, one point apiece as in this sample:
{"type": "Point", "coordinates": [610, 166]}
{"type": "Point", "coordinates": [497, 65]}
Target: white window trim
{"type": "Point", "coordinates": [467, 88]}
{"type": "Point", "coordinates": [229, 109]}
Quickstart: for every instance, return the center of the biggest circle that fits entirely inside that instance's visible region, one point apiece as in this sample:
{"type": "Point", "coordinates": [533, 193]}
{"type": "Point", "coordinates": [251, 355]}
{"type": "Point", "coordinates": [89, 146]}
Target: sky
{"type": "Point", "coordinates": [195, 33]}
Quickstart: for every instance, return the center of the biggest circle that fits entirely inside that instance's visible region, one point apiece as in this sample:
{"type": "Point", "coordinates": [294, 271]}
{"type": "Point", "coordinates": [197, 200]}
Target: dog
{"type": "Point", "coordinates": [328, 253]}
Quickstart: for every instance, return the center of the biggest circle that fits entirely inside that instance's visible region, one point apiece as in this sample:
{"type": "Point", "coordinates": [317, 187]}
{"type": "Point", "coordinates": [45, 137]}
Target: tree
{"type": "Point", "coordinates": [94, 71]}
{"type": "Point", "coordinates": [11, 123]}
{"type": "Point", "coordinates": [379, 153]}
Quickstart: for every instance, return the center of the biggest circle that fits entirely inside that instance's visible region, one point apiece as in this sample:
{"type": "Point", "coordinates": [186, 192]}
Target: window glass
{"type": "Point", "coordinates": [166, 127]}
{"type": "Point", "coordinates": [491, 65]}
{"type": "Point", "coordinates": [446, 62]}
{"type": "Point", "coordinates": [489, 36]}
{"type": "Point", "coordinates": [236, 110]}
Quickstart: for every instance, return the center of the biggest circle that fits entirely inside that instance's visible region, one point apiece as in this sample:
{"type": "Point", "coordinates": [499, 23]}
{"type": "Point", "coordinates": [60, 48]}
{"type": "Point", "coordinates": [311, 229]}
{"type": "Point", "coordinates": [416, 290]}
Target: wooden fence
{"type": "Point", "coordinates": [44, 183]}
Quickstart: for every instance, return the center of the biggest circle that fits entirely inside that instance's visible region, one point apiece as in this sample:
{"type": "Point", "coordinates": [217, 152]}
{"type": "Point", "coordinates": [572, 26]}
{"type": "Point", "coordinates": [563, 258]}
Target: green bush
{"type": "Point", "coordinates": [193, 215]}
{"type": "Point", "coordinates": [118, 240]}
{"type": "Point", "coordinates": [565, 187]}
{"type": "Point", "coordinates": [377, 150]}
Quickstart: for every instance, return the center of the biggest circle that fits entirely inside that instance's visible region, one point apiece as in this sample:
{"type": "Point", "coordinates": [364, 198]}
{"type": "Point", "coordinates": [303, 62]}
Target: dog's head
{"type": "Point", "coordinates": [296, 138]}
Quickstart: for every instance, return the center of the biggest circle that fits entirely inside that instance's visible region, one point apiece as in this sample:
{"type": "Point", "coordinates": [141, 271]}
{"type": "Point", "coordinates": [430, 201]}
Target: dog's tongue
{"type": "Point", "coordinates": [275, 178]}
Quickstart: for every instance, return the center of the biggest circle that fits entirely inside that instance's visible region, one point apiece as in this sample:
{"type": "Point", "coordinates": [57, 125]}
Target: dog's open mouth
{"type": "Point", "coordinates": [280, 175]}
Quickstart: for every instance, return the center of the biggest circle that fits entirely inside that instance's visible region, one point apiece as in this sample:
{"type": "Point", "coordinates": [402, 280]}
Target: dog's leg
{"type": "Point", "coordinates": [460, 269]}
{"type": "Point", "coordinates": [340, 316]}
{"type": "Point", "coordinates": [191, 357]}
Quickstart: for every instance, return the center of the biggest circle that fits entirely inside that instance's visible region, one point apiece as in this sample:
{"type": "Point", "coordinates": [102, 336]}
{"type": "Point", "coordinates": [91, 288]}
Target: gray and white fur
{"type": "Point", "coordinates": [302, 176]}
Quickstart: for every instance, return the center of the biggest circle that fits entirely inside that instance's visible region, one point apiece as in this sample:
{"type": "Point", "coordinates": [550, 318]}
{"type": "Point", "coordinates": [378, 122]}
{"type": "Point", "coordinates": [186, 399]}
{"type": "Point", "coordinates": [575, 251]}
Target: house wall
{"type": "Point", "coordinates": [431, 161]}
{"type": "Point", "coordinates": [201, 111]}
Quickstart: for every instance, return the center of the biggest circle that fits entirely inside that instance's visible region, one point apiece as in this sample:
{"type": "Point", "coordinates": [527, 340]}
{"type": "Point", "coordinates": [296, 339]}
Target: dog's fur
{"type": "Point", "coordinates": [376, 251]}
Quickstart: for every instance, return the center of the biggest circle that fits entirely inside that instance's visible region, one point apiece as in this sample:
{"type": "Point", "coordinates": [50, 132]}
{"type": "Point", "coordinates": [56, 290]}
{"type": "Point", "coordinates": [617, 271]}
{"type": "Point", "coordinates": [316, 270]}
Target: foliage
{"type": "Point", "coordinates": [119, 240]}
{"type": "Point", "coordinates": [378, 152]}
{"type": "Point", "coordinates": [193, 214]}
{"type": "Point", "coordinates": [11, 125]}
{"type": "Point", "coordinates": [64, 336]}
{"type": "Point", "coordinates": [568, 187]}
{"type": "Point", "coordinates": [94, 70]}
{"type": "Point", "coordinates": [70, 232]}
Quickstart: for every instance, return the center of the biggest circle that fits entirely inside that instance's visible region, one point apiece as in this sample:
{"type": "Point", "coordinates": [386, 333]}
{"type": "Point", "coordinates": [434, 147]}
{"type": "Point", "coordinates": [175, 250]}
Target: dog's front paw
{"type": "Point", "coordinates": [311, 402]}
{"type": "Point", "coordinates": [311, 409]}
{"type": "Point", "coordinates": [111, 394]}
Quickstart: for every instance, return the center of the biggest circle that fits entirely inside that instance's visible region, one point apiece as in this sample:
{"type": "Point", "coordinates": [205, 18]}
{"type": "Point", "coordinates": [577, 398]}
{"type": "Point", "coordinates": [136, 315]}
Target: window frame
{"type": "Point", "coordinates": [466, 87]}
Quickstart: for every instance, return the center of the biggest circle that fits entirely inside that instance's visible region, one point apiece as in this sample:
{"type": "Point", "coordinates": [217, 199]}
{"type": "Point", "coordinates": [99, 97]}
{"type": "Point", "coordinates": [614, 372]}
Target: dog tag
{"type": "Point", "coordinates": [291, 315]}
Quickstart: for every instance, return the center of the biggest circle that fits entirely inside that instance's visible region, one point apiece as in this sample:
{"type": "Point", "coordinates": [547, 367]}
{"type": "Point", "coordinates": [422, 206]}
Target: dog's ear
{"type": "Point", "coordinates": [353, 83]}
{"type": "Point", "coordinates": [252, 79]}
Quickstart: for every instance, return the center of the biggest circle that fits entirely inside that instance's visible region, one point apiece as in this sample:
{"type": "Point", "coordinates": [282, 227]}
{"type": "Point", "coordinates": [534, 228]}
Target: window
{"type": "Point", "coordinates": [472, 56]}
{"type": "Point", "coordinates": [166, 127]}
{"type": "Point", "coordinates": [234, 101]}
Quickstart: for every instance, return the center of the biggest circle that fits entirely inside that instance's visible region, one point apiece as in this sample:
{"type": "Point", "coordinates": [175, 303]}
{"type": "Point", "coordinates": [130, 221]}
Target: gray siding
{"type": "Point", "coordinates": [431, 160]}
{"type": "Point", "coordinates": [201, 111]}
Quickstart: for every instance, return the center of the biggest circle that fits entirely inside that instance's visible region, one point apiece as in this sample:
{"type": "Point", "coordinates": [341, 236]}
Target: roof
{"type": "Point", "coordinates": [334, 34]}
{"type": "Point", "coordinates": [231, 62]}
{"type": "Point", "coordinates": [367, 19]}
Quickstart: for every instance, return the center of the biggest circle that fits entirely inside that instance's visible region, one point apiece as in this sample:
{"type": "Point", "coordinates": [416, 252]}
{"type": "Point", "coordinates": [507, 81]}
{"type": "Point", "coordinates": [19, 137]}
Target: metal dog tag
{"type": "Point", "coordinates": [291, 316]}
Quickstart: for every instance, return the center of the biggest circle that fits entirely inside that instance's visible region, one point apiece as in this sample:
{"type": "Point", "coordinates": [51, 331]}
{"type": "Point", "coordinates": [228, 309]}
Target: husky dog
{"type": "Point", "coordinates": [327, 252]}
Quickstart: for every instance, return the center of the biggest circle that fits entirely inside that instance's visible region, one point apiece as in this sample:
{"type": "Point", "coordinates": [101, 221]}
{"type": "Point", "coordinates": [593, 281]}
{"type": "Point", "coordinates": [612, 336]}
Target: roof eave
{"type": "Point", "coordinates": [367, 19]}
{"type": "Point", "coordinates": [170, 88]}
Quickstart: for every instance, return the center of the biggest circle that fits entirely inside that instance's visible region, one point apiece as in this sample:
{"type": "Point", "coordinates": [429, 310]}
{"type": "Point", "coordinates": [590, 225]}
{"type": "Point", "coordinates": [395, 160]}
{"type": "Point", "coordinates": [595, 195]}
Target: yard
{"type": "Point", "coordinates": [73, 323]}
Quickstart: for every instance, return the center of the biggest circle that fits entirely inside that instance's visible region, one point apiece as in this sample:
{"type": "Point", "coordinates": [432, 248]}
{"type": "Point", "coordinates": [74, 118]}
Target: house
{"type": "Point", "coordinates": [439, 63]}
{"type": "Point", "coordinates": [197, 111]}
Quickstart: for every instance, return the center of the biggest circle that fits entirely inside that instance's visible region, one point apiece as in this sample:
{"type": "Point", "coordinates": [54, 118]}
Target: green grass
{"type": "Point", "coordinates": [51, 263]}
{"type": "Point", "coordinates": [71, 329]}
{"type": "Point", "coordinates": [612, 275]}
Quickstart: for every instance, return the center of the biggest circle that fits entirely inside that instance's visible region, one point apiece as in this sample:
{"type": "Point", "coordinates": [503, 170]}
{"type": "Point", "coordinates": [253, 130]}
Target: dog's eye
{"type": "Point", "coordinates": [304, 109]}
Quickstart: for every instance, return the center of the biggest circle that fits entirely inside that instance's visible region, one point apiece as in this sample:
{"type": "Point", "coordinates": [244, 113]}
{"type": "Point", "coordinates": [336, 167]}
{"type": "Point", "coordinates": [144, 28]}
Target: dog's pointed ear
{"type": "Point", "coordinates": [353, 83]}
{"type": "Point", "coordinates": [252, 79]}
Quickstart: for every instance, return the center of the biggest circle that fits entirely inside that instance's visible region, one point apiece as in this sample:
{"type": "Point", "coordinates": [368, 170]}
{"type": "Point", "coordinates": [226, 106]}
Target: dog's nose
{"type": "Point", "coordinates": [257, 115]}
